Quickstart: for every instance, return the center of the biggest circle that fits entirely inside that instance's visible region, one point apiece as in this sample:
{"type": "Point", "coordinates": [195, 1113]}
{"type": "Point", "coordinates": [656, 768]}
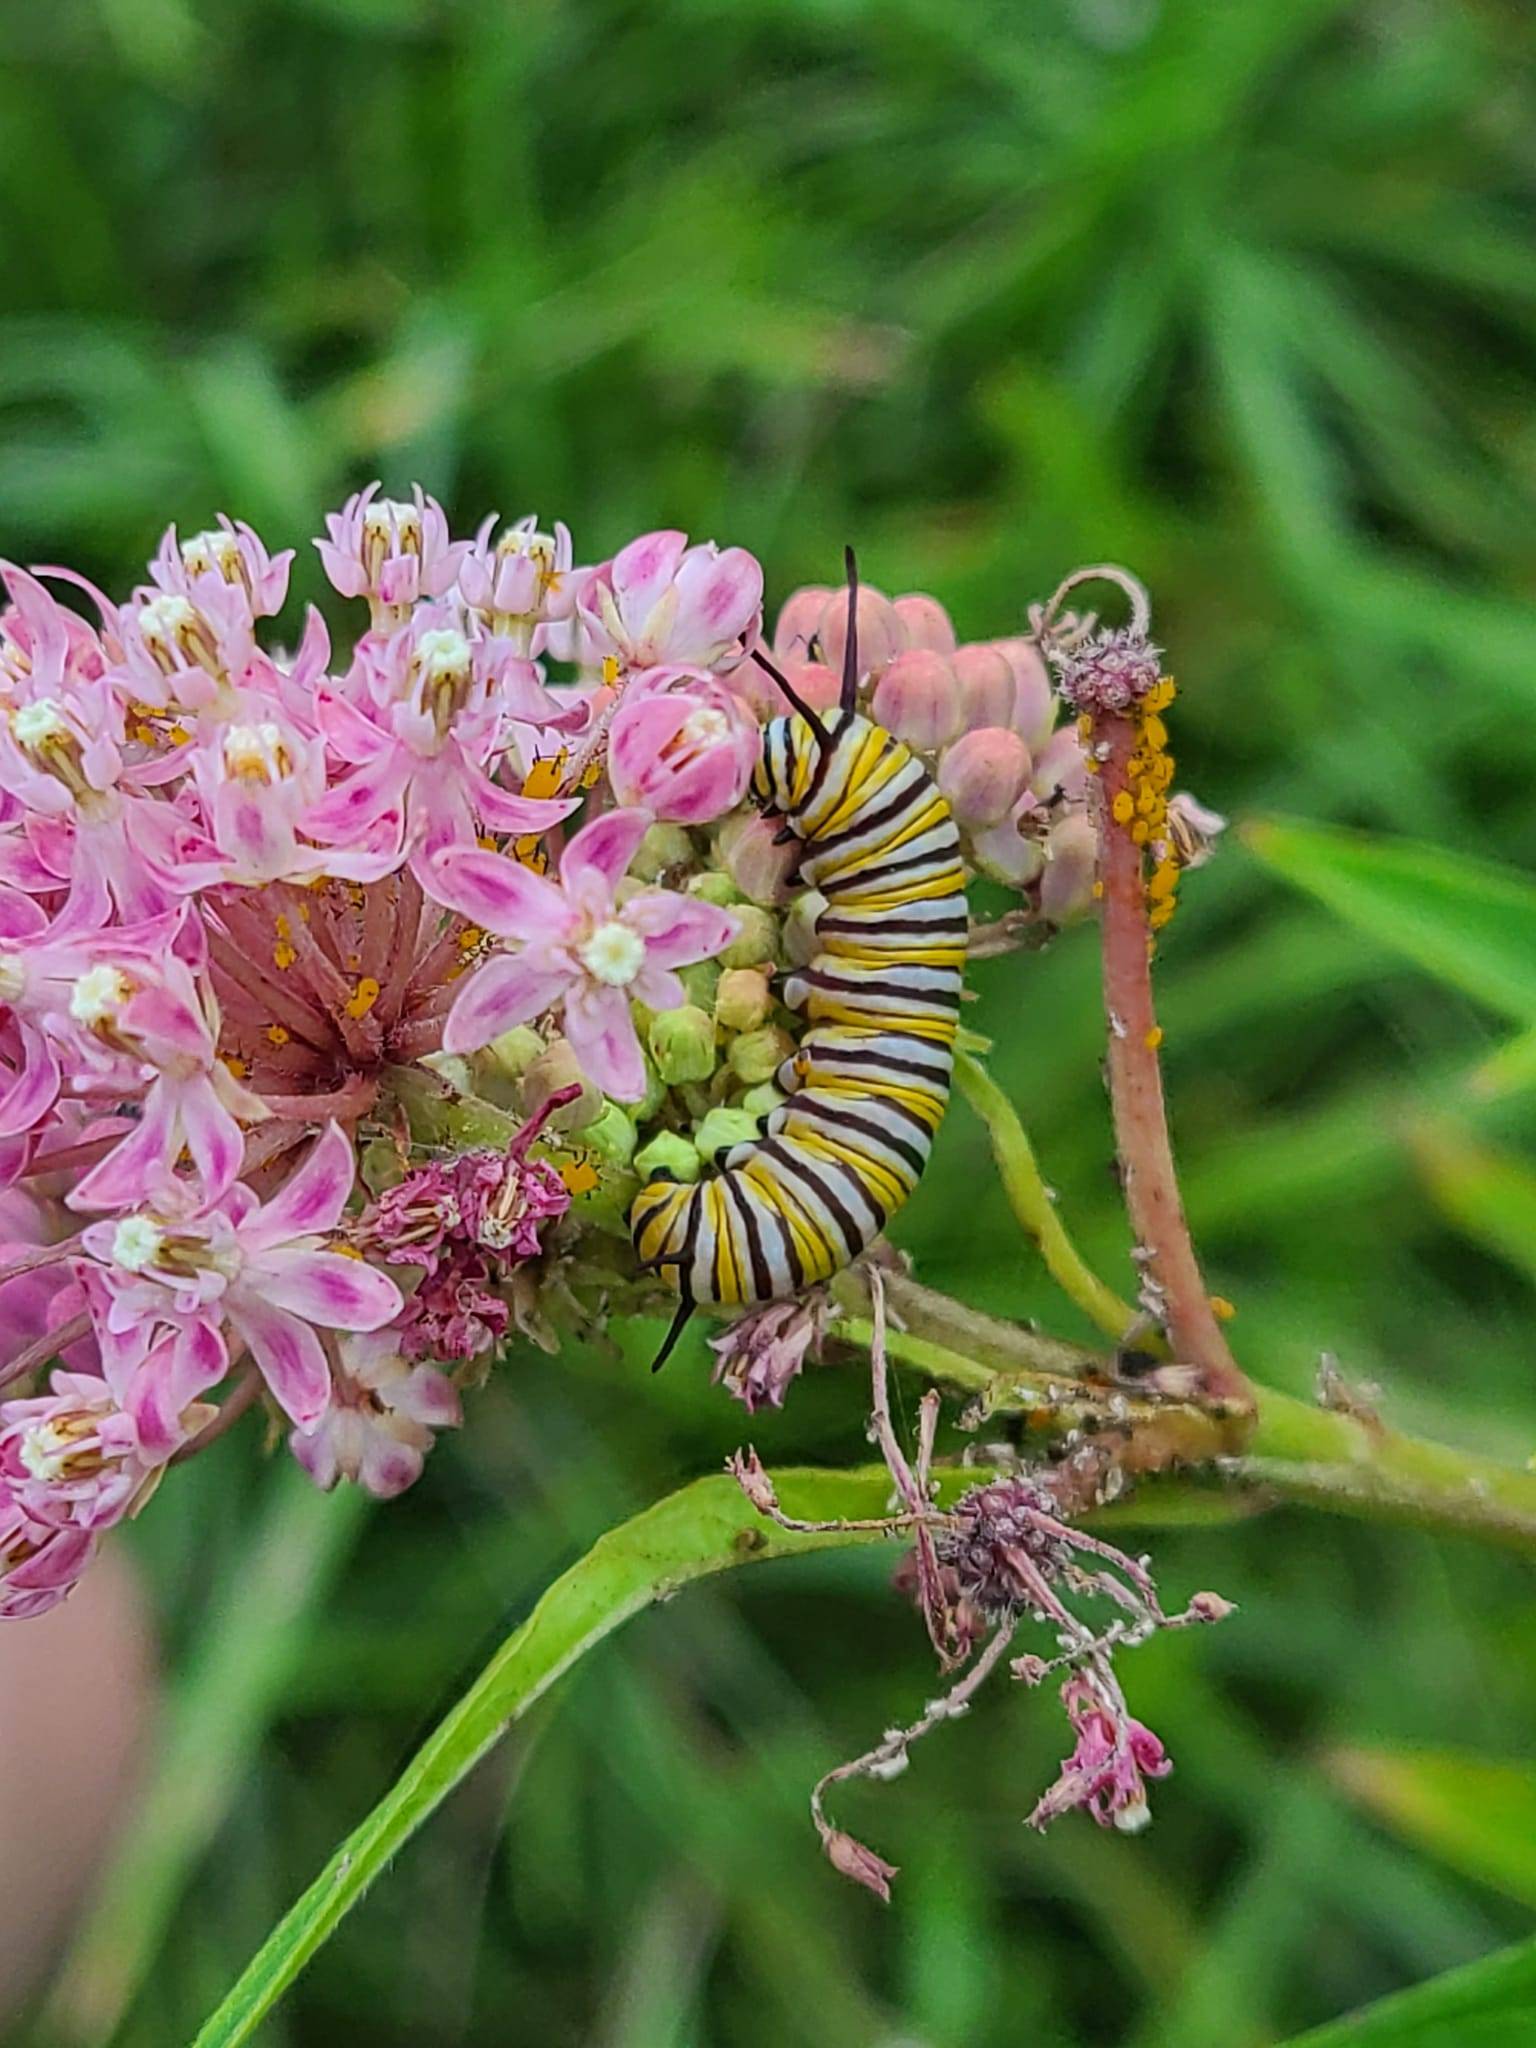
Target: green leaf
{"type": "Point", "coordinates": [1477, 1814]}
{"type": "Point", "coordinates": [706, 1527]}
{"type": "Point", "coordinates": [1487, 2004]}
{"type": "Point", "coordinates": [1465, 921]}
{"type": "Point", "coordinates": [1486, 1193]}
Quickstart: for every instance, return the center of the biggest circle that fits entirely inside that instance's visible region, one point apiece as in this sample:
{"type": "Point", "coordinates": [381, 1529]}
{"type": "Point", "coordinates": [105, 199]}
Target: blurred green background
{"type": "Point", "coordinates": [1241, 294]}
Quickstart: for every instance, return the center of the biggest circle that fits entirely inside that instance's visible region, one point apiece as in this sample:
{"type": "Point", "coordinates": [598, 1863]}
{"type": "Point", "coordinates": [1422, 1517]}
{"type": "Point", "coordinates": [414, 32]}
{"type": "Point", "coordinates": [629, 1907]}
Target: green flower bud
{"type": "Point", "coordinates": [763, 1100]}
{"type": "Point", "coordinates": [663, 847]}
{"type": "Point", "coordinates": [756, 943]}
{"type": "Point", "coordinates": [683, 1045]}
{"type": "Point", "coordinates": [743, 1000]}
{"type": "Point", "coordinates": [655, 1090]}
{"type": "Point", "coordinates": [759, 867]}
{"type": "Point", "coordinates": [451, 1067]}
{"type": "Point", "coordinates": [722, 1129]}
{"type": "Point", "coordinates": [714, 887]}
{"type": "Point", "coordinates": [668, 1153]}
{"type": "Point", "coordinates": [610, 1135]}
{"type": "Point", "coordinates": [381, 1165]}
{"type": "Point", "coordinates": [515, 1051]}
{"type": "Point", "coordinates": [702, 981]}
{"type": "Point", "coordinates": [757, 1055]}
{"type": "Point", "coordinates": [557, 1068]}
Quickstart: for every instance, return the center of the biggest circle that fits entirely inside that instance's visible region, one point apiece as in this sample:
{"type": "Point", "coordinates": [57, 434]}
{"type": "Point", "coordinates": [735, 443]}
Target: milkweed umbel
{"type": "Point", "coordinates": [868, 1084]}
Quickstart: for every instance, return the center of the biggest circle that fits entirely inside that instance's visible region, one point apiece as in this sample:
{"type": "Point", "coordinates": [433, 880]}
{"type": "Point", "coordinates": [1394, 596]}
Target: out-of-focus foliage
{"type": "Point", "coordinates": [1244, 295]}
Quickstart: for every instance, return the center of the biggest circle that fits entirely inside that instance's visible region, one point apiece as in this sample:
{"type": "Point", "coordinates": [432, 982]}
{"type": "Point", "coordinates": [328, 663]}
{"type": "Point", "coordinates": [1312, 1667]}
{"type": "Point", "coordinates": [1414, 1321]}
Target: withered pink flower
{"type": "Point", "coordinates": [382, 1421]}
{"type": "Point", "coordinates": [1106, 1772]}
{"type": "Point", "coordinates": [758, 1354]}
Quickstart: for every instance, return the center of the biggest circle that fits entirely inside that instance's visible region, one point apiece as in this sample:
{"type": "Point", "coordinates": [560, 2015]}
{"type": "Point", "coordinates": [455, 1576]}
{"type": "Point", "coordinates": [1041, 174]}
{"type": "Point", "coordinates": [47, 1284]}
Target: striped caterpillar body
{"type": "Point", "coordinates": [868, 1084]}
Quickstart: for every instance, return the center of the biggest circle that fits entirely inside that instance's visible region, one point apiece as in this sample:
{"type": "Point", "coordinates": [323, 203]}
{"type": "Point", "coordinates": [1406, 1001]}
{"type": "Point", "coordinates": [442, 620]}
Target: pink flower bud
{"type": "Point", "coordinates": [1035, 703]}
{"type": "Point", "coordinates": [755, 862]}
{"type": "Point", "coordinates": [812, 681]}
{"type": "Point", "coordinates": [918, 699]}
{"type": "Point", "coordinates": [1066, 887]}
{"type": "Point", "coordinates": [879, 629]}
{"type": "Point", "coordinates": [925, 623]}
{"type": "Point", "coordinates": [795, 627]}
{"type": "Point", "coordinates": [681, 746]}
{"type": "Point", "coordinates": [853, 1859]}
{"type": "Point", "coordinates": [983, 774]}
{"type": "Point", "coordinates": [987, 695]}
{"type": "Point", "coordinates": [1060, 766]}
{"type": "Point", "coordinates": [1010, 851]}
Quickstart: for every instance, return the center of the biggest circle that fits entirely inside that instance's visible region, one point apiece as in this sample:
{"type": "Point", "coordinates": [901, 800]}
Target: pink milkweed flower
{"type": "Point", "coordinates": [579, 948]}
{"type": "Point", "coordinates": [438, 714]}
{"type": "Point", "coordinates": [382, 1418]}
{"type": "Point", "coordinates": [522, 580]}
{"type": "Point", "coordinates": [1115, 1753]}
{"type": "Point", "coordinates": [660, 601]}
{"type": "Point", "coordinates": [393, 553]}
{"type": "Point", "coordinates": [138, 1020]}
{"type": "Point", "coordinates": [71, 1457]}
{"type": "Point", "coordinates": [261, 1269]}
{"type": "Point", "coordinates": [681, 746]}
{"type": "Point", "coordinates": [41, 1563]}
{"type": "Point", "coordinates": [231, 553]}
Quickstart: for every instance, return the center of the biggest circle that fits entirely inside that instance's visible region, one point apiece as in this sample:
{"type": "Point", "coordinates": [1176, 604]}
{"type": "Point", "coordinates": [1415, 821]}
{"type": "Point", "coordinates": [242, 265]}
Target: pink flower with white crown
{"type": "Point", "coordinates": [681, 746]}
{"type": "Point", "coordinates": [432, 716]}
{"type": "Point", "coordinates": [581, 949]}
{"type": "Point", "coordinates": [231, 553]}
{"type": "Point", "coordinates": [393, 553]}
{"type": "Point", "coordinates": [660, 601]}
{"type": "Point", "coordinates": [261, 1272]}
{"type": "Point", "coordinates": [382, 1419]}
{"type": "Point", "coordinates": [521, 581]}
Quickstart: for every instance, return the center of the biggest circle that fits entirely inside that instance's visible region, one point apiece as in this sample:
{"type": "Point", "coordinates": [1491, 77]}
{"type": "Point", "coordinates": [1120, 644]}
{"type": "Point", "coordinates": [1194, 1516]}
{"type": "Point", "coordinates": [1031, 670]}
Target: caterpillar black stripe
{"type": "Point", "coordinates": [867, 1087]}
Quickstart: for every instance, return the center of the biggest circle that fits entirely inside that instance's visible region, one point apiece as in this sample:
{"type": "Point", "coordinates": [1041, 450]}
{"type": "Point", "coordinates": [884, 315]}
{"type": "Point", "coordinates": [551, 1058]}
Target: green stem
{"type": "Point", "coordinates": [1321, 1457]}
{"type": "Point", "coordinates": [1033, 1205]}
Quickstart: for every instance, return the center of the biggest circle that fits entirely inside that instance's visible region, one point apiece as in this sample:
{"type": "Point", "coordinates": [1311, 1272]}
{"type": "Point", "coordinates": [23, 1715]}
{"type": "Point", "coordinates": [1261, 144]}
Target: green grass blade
{"type": "Point", "coordinates": [1477, 1814]}
{"type": "Point", "coordinates": [704, 1528]}
{"type": "Point", "coordinates": [1467, 922]}
{"type": "Point", "coordinates": [1487, 2004]}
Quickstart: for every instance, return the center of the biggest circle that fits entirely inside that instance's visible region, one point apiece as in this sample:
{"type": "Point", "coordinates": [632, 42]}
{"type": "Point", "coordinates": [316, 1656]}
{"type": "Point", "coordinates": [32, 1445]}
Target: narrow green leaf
{"type": "Point", "coordinates": [704, 1528]}
{"type": "Point", "coordinates": [1477, 1814]}
{"type": "Point", "coordinates": [1465, 921]}
{"type": "Point", "coordinates": [1487, 2004]}
{"type": "Point", "coordinates": [1486, 1193]}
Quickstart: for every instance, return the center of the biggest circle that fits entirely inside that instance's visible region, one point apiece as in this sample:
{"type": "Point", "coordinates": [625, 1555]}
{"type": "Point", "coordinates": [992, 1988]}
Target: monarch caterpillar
{"type": "Point", "coordinates": [867, 1087]}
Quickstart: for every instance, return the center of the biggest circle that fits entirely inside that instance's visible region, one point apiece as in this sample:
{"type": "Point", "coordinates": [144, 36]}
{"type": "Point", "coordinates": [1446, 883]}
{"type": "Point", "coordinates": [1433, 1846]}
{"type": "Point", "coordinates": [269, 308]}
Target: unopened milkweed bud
{"type": "Point", "coordinates": [670, 1155]}
{"type": "Point", "coordinates": [743, 999]}
{"type": "Point", "coordinates": [756, 940]}
{"type": "Point", "coordinates": [683, 1045]}
{"type": "Point", "coordinates": [925, 622]}
{"type": "Point", "coordinates": [985, 677]}
{"type": "Point", "coordinates": [983, 775]}
{"type": "Point", "coordinates": [756, 1056]}
{"type": "Point", "coordinates": [1066, 886]}
{"type": "Point", "coordinates": [755, 860]}
{"type": "Point", "coordinates": [1010, 851]}
{"type": "Point", "coordinates": [722, 1129]}
{"type": "Point", "coordinates": [663, 847]}
{"type": "Point", "coordinates": [880, 635]}
{"type": "Point", "coordinates": [611, 1135]}
{"type": "Point", "coordinates": [918, 699]}
{"type": "Point", "coordinates": [1034, 706]}
{"type": "Point", "coordinates": [795, 627]}
{"type": "Point", "coordinates": [556, 1069]}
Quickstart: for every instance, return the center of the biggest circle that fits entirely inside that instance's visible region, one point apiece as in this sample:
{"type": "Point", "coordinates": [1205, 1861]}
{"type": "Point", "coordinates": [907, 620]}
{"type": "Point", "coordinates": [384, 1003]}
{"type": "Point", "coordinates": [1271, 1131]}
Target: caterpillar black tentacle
{"type": "Point", "coordinates": [868, 1085]}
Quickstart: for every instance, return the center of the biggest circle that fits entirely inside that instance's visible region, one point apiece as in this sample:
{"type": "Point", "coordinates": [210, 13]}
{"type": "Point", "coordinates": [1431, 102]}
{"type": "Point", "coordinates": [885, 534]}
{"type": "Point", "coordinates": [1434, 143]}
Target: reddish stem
{"type": "Point", "coordinates": [1152, 1197]}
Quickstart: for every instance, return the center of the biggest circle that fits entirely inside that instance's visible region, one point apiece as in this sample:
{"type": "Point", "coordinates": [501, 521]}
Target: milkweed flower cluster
{"type": "Point", "coordinates": [349, 990]}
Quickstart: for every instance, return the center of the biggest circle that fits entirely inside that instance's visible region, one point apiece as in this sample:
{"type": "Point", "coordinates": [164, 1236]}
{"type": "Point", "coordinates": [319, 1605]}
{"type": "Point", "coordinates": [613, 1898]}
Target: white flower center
{"type": "Point", "coordinates": [13, 978]}
{"type": "Point", "coordinates": [442, 652]}
{"type": "Point", "coordinates": [397, 525]}
{"type": "Point", "coordinates": [256, 752]}
{"type": "Point", "coordinates": [165, 617]}
{"type": "Point", "coordinates": [44, 1452]}
{"type": "Point", "coordinates": [34, 723]}
{"type": "Point", "coordinates": [136, 1243]}
{"type": "Point", "coordinates": [704, 728]}
{"type": "Point", "coordinates": [98, 995]}
{"type": "Point", "coordinates": [613, 954]}
{"type": "Point", "coordinates": [213, 550]}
